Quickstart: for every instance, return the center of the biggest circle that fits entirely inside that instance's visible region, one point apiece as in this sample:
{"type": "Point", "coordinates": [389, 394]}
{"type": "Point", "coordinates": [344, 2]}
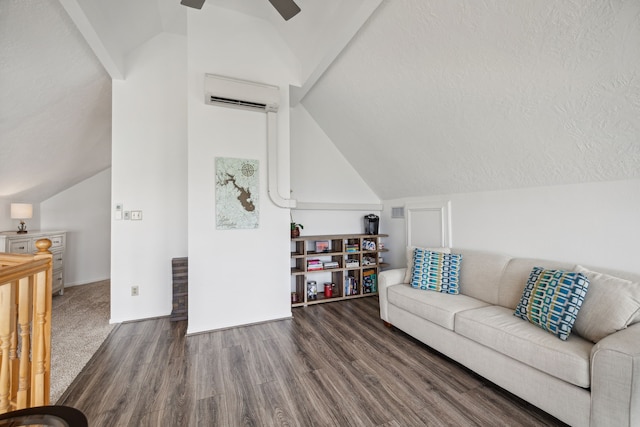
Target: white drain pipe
{"type": "Point", "coordinates": [272, 163]}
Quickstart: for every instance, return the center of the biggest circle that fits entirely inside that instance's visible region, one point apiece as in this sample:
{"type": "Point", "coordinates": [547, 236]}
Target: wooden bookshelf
{"type": "Point", "coordinates": [356, 264]}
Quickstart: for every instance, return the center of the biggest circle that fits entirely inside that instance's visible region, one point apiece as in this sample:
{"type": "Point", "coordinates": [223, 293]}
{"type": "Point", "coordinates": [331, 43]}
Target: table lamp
{"type": "Point", "coordinates": [21, 211]}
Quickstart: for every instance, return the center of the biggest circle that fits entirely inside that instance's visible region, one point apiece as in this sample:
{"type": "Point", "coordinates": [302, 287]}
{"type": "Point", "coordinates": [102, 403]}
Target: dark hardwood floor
{"type": "Point", "coordinates": [331, 365]}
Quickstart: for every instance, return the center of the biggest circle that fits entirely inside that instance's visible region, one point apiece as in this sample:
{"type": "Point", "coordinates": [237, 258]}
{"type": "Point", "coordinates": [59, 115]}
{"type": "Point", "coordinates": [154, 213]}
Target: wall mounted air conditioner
{"type": "Point", "coordinates": [225, 91]}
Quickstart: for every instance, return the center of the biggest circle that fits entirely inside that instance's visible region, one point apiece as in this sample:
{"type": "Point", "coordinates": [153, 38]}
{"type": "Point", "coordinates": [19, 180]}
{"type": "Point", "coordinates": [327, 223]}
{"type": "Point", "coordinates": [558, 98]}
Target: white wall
{"type": "Point", "coordinates": [596, 224]}
{"type": "Point", "coordinates": [149, 174]}
{"type": "Point", "coordinates": [321, 174]}
{"type": "Point", "coordinates": [5, 215]}
{"type": "Point", "coordinates": [83, 212]}
{"type": "Point", "coordinates": [235, 276]}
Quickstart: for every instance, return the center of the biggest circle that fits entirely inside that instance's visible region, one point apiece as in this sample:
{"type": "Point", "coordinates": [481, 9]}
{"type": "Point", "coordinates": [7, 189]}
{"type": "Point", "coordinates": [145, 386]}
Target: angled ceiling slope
{"type": "Point", "coordinates": [55, 113]}
{"type": "Point", "coordinates": [454, 96]}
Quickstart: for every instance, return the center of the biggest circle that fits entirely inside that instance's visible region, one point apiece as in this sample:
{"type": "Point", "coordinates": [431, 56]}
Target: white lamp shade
{"type": "Point", "coordinates": [21, 210]}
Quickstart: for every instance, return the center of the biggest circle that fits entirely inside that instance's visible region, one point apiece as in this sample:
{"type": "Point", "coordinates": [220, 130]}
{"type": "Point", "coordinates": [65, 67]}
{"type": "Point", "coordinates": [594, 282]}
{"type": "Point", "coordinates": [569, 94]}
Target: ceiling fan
{"type": "Point", "coordinates": [287, 8]}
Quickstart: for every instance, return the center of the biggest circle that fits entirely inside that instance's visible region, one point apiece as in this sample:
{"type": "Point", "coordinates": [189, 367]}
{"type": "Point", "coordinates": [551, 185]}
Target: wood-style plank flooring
{"type": "Point", "coordinates": [331, 365]}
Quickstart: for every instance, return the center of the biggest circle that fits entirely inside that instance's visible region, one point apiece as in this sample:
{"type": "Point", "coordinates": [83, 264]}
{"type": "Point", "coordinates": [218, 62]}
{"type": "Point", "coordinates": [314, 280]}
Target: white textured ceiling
{"type": "Point", "coordinates": [55, 107]}
{"type": "Point", "coordinates": [441, 96]}
{"type": "Point", "coordinates": [430, 97]}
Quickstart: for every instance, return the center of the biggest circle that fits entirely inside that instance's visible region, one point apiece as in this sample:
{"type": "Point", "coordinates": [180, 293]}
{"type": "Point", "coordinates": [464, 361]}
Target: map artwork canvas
{"type": "Point", "coordinates": [237, 190]}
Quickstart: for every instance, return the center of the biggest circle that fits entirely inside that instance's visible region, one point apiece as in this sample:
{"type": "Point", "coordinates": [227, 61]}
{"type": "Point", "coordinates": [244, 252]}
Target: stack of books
{"type": "Point", "coordinates": [314, 264]}
{"type": "Point", "coordinates": [330, 264]}
{"type": "Point", "coordinates": [352, 247]}
{"type": "Point", "coordinates": [369, 281]}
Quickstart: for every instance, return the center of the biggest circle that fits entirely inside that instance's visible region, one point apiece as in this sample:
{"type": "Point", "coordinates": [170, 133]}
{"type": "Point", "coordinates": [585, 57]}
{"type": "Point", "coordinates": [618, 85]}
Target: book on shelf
{"type": "Point", "coordinates": [314, 264]}
{"type": "Point", "coordinates": [369, 281]}
{"type": "Point", "coordinates": [350, 248]}
{"type": "Point", "coordinates": [330, 264]}
{"type": "Point", "coordinates": [351, 286]}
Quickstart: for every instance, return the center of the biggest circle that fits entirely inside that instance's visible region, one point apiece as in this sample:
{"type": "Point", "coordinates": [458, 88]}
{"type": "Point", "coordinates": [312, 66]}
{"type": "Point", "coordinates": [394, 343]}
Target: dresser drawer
{"type": "Point", "coordinates": [56, 241]}
{"type": "Point", "coordinates": [20, 246]}
{"type": "Point", "coordinates": [58, 260]}
{"type": "Point", "coordinates": [57, 284]}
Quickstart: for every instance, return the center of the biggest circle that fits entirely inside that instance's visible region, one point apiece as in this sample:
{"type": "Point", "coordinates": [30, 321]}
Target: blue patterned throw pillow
{"type": "Point", "coordinates": [552, 299]}
{"type": "Point", "coordinates": [436, 271]}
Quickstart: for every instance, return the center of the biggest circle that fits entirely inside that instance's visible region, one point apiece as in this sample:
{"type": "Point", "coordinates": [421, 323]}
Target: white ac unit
{"type": "Point", "coordinates": [220, 90]}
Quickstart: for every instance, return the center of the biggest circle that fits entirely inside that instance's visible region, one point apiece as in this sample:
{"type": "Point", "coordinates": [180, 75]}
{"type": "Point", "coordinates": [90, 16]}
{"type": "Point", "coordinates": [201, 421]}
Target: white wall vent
{"type": "Point", "coordinates": [397, 212]}
{"type": "Point", "coordinates": [219, 90]}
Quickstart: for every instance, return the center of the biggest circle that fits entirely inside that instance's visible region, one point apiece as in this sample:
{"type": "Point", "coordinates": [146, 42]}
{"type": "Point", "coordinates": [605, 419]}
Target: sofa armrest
{"type": "Point", "coordinates": [615, 379]}
{"type": "Point", "coordinates": [386, 279]}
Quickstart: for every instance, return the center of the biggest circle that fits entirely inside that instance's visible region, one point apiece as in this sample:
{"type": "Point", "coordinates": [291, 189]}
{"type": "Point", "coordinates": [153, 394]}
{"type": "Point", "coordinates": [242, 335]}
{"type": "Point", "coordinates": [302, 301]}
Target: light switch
{"type": "Point", "coordinates": [136, 215]}
{"type": "Point", "coordinates": [127, 215]}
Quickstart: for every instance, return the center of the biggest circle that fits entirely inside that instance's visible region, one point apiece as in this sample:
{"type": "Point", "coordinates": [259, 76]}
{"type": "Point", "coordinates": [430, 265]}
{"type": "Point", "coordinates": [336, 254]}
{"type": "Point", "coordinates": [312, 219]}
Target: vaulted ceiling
{"type": "Point", "coordinates": [421, 97]}
{"type": "Point", "coordinates": [440, 96]}
{"type": "Point", "coordinates": [55, 104]}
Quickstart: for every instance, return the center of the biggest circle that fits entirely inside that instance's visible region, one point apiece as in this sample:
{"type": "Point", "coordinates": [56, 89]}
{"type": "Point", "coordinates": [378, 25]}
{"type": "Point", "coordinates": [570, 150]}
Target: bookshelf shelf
{"type": "Point", "coordinates": [350, 262]}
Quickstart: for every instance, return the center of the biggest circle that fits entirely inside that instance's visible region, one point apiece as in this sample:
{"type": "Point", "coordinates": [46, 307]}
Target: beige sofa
{"type": "Point", "coordinates": [579, 381]}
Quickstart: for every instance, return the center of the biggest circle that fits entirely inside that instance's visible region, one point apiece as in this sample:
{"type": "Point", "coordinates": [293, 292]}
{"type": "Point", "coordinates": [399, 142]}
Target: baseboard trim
{"type": "Point", "coordinates": [189, 334]}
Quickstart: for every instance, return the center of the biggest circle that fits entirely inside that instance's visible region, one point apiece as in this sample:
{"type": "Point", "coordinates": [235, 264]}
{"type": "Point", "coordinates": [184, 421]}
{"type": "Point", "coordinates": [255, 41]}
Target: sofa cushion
{"type": "Point", "coordinates": [552, 299]}
{"type": "Point", "coordinates": [435, 307]}
{"type": "Point", "coordinates": [435, 271]}
{"type": "Point", "coordinates": [409, 257]}
{"type": "Point", "coordinates": [480, 274]}
{"type": "Point", "coordinates": [611, 304]}
{"type": "Point", "coordinates": [496, 327]}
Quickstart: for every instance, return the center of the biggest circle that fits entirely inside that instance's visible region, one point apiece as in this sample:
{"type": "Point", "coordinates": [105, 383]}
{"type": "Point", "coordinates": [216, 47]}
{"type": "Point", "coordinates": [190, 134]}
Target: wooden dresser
{"type": "Point", "coordinates": [12, 242]}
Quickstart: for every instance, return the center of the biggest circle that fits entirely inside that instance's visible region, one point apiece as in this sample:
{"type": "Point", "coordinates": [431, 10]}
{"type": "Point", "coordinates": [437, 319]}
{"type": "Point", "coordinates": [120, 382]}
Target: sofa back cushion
{"type": "Point", "coordinates": [480, 274]}
{"type": "Point", "coordinates": [515, 276]}
{"type": "Point", "coordinates": [611, 304]}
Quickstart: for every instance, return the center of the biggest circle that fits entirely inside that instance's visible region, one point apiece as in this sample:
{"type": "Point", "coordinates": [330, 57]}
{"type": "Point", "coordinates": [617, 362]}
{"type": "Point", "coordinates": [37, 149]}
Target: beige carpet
{"type": "Point", "coordinates": [79, 324]}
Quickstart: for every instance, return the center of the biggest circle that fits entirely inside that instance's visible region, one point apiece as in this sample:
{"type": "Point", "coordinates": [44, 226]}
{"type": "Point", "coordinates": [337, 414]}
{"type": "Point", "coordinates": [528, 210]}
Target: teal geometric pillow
{"type": "Point", "coordinates": [436, 271]}
{"type": "Point", "coordinates": [552, 298]}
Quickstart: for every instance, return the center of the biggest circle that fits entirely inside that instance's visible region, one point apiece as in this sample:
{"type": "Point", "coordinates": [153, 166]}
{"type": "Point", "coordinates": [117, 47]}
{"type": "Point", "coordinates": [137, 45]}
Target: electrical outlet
{"type": "Point", "coordinates": [135, 291]}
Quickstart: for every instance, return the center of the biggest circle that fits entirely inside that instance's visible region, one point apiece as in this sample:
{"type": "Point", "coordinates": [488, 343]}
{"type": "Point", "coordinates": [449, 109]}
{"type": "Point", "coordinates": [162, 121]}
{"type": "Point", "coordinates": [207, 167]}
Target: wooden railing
{"type": "Point", "coordinates": [25, 328]}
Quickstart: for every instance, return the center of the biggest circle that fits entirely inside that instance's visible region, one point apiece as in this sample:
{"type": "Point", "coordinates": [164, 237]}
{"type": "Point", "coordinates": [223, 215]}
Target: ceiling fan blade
{"type": "Point", "coordinates": [196, 4]}
{"type": "Point", "coordinates": [287, 8]}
